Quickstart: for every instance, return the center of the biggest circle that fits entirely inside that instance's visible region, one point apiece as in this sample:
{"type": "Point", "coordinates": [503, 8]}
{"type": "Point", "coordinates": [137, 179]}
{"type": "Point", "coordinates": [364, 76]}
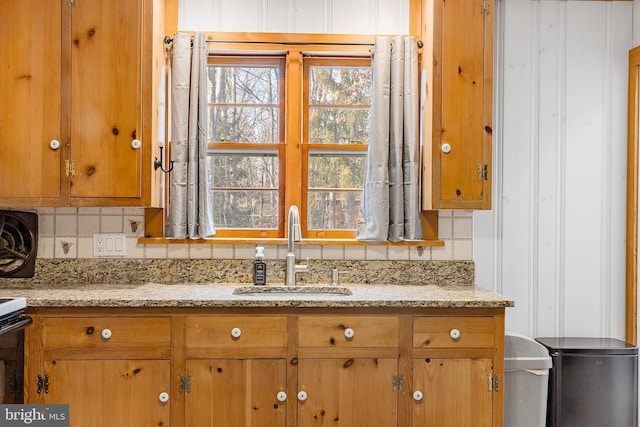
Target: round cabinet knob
{"type": "Point", "coordinates": [236, 332]}
{"type": "Point", "coordinates": [446, 148]}
{"type": "Point", "coordinates": [281, 396]}
{"type": "Point", "coordinates": [106, 334]}
{"type": "Point", "coordinates": [455, 334]}
{"type": "Point", "coordinates": [135, 144]}
{"type": "Point", "coordinates": [54, 144]}
{"type": "Point", "coordinates": [349, 333]}
{"type": "Point", "coordinates": [163, 397]}
{"type": "Point", "coordinates": [302, 396]}
{"type": "Point", "coordinates": [417, 395]}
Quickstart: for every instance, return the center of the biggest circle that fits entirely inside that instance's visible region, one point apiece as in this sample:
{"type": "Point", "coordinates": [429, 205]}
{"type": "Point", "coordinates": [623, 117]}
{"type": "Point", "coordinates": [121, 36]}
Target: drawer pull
{"type": "Point", "coordinates": [163, 397]}
{"type": "Point", "coordinates": [349, 333]}
{"type": "Point", "coordinates": [106, 333]}
{"type": "Point", "coordinates": [455, 334]}
{"type": "Point", "coordinates": [54, 144]}
{"type": "Point", "coordinates": [417, 395]}
{"type": "Point", "coordinates": [281, 396]}
{"type": "Point", "coordinates": [302, 396]}
{"type": "Point", "coordinates": [236, 332]}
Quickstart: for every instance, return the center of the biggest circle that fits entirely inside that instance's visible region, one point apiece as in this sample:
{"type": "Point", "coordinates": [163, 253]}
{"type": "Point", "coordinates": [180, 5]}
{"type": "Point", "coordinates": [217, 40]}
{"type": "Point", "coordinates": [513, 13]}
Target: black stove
{"type": "Point", "coordinates": [12, 315]}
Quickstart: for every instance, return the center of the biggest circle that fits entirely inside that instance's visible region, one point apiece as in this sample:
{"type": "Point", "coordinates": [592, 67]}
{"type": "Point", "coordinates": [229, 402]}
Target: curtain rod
{"type": "Point", "coordinates": [168, 40]}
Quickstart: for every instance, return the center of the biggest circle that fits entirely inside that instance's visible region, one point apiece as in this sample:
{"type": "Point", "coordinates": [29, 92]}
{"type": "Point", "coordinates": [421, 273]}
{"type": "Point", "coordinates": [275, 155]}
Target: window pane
{"type": "Point", "coordinates": [335, 189]}
{"type": "Point", "coordinates": [244, 104]}
{"type": "Point", "coordinates": [339, 104]}
{"type": "Point", "coordinates": [338, 126]}
{"type": "Point", "coordinates": [340, 85]}
{"type": "Point", "coordinates": [245, 188]}
{"type": "Point", "coordinates": [336, 170]}
{"type": "Point", "coordinates": [232, 84]}
{"type": "Point", "coordinates": [257, 125]}
{"type": "Point", "coordinates": [246, 209]}
{"type": "Point", "coordinates": [333, 210]}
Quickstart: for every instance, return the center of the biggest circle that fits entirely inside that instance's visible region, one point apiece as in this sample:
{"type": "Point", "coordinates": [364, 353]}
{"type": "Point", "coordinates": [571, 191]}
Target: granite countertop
{"type": "Point", "coordinates": [222, 295]}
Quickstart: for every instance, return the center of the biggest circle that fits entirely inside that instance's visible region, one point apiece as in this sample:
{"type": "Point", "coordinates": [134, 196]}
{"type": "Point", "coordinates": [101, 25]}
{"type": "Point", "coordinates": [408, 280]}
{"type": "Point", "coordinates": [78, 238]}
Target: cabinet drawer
{"type": "Point", "coordinates": [441, 332]}
{"type": "Point", "coordinates": [347, 331]}
{"type": "Point", "coordinates": [236, 332]}
{"type": "Point", "coordinates": [101, 333]}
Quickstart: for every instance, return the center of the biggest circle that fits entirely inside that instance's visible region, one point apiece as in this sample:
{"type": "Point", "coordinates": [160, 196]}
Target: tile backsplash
{"type": "Point", "coordinates": [67, 233]}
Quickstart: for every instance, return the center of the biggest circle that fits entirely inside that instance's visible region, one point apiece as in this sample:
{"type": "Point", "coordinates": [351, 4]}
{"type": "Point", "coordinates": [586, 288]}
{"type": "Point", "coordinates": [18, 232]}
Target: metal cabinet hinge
{"type": "Point", "coordinates": [398, 383]}
{"type": "Point", "coordinates": [484, 8]}
{"type": "Point", "coordinates": [493, 382]}
{"type": "Point", "coordinates": [43, 384]}
{"type": "Point", "coordinates": [483, 172]}
{"type": "Point", "coordinates": [70, 168]}
{"type": "Point", "coordinates": [16, 384]}
{"type": "Point", "coordinates": [185, 383]}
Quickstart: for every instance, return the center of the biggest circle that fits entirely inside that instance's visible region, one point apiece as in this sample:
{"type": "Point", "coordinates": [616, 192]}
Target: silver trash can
{"type": "Point", "coordinates": [593, 382]}
{"type": "Point", "coordinates": [526, 379]}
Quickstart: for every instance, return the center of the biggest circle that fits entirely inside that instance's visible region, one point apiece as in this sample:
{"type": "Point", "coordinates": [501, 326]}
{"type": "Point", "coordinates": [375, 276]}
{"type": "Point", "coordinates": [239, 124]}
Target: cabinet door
{"type": "Point", "coordinates": [12, 363]}
{"type": "Point", "coordinates": [233, 392]}
{"type": "Point", "coordinates": [30, 100]}
{"type": "Point", "coordinates": [110, 392]}
{"type": "Point", "coordinates": [106, 54]}
{"type": "Point", "coordinates": [347, 392]}
{"type": "Point", "coordinates": [459, 67]}
{"type": "Point", "coordinates": [455, 393]}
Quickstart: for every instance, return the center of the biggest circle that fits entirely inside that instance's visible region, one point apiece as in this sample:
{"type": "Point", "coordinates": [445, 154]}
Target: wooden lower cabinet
{"type": "Point", "coordinates": [111, 368]}
{"type": "Point", "coordinates": [347, 392]}
{"type": "Point", "coordinates": [110, 392]}
{"type": "Point", "coordinates": [452, 392]}
{"type": "Point", "coordinates": [228, 392]}
{"type": "Point", "coordinates": [288, 367]}
{"type": "Point", "coordinates": [11, 365]}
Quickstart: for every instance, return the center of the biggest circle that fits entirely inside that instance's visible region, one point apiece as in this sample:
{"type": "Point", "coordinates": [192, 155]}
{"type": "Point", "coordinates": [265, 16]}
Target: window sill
{"type": "Point", "coordinates": [282, 241]}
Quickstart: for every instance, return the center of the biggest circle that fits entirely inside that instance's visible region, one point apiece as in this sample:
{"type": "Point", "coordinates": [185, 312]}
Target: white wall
{"type": "Point", "coordinates": [296, 16]}
{"type": "Point", "coordinates": [555, 240]}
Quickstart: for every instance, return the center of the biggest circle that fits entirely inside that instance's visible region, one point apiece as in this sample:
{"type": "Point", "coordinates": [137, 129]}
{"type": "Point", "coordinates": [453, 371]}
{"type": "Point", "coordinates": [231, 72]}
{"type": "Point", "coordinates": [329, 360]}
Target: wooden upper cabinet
{"type": "Point", "coordinates": [106, 99]}
{"type": "Point", "coordinates": [458, 68]}
{"type": "Point", "coordinates": [91, 75]}
{"type": "Point", "coordinates": [30, 100]}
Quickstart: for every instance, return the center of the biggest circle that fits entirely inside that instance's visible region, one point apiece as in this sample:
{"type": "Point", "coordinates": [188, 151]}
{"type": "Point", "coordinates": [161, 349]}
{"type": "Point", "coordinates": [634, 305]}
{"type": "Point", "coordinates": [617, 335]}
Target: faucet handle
{"type": "Point", "coordinates": [302, 268]}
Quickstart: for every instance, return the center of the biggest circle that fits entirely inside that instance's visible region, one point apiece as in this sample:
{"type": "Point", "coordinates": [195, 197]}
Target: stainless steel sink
{"type": "Point", "coordinates": [308, 289]}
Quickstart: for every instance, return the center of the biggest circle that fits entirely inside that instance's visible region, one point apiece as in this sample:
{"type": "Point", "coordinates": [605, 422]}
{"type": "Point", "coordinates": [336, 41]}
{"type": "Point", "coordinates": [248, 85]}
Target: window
{"type": "Point", "coordinates": [246, 148]}
{"type": "Point", "coordinates": [288, 128]}
{"type": "Point", "coordinates": [337, 102]}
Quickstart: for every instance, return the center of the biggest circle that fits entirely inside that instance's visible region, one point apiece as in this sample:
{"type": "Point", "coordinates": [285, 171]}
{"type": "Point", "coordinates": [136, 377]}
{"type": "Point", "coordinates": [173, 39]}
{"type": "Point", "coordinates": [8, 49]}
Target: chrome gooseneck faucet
{"type": "Point", "coordinates": [294, 235]}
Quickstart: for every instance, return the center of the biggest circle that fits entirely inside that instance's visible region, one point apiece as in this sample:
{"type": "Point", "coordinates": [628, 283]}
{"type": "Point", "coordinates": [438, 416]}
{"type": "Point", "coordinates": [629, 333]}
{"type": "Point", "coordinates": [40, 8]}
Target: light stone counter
{"type": "Point", "coordinates": [217, 295]}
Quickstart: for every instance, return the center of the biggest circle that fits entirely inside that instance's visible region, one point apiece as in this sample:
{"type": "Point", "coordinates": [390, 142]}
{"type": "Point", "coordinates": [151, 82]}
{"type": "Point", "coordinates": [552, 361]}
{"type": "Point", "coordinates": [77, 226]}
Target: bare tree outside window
{"type": "Point", "coordinates": [247, 143]}
{"type": "Point", "coordinates": [244, 109]}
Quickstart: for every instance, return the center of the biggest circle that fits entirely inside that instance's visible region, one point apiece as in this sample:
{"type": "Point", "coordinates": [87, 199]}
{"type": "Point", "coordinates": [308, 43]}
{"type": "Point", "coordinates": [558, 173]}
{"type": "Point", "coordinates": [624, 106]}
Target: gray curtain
{"type": "Point", "coordinates": [190, 211]}
{"type": "Point", "coordinates": [390, 207]}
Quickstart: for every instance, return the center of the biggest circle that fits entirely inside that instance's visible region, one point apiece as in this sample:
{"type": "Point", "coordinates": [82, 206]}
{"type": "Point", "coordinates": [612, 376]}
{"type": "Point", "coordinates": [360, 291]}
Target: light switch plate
{"type": "Point", "coordinates": [110, 244]}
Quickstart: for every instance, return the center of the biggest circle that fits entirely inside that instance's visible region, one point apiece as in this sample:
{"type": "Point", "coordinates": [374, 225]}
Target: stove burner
{"type": "Point", "coordinates": [18, 243]}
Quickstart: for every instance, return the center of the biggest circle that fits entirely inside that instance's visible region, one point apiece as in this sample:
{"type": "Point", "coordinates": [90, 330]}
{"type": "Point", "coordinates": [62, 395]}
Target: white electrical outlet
{"type": "Point", "coordinates": [111, 244]}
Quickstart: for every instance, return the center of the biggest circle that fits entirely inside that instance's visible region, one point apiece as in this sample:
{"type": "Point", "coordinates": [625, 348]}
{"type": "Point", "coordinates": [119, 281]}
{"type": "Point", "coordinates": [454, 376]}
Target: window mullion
{"type": "Point", "coordinates": [293, 137]}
